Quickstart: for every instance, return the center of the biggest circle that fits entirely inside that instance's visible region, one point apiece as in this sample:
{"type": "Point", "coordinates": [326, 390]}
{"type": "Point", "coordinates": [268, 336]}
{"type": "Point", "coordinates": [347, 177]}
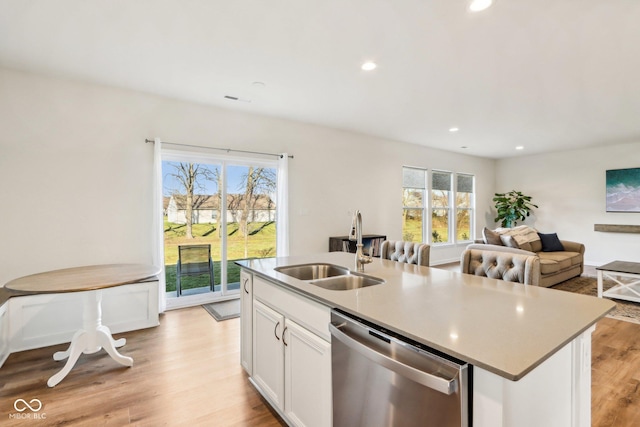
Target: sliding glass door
{"type": "Point", "coordinates": [216, 210]}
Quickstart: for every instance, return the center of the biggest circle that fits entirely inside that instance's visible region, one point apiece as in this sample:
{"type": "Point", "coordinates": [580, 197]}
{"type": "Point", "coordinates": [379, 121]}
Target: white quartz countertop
{"type": "Point", "coordinates": [503, 327]}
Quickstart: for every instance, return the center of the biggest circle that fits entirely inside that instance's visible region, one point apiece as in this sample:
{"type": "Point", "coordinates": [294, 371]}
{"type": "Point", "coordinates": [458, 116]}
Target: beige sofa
{"type": "Point", "coordinates": [510, 267]}
{"type": "Point", "coordinates": [555, 266]}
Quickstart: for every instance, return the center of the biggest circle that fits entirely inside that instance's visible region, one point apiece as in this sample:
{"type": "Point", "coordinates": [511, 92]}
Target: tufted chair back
{"type": "Point", "coordinates": [511, 267]}
{"type": "Point", "coordinates": [409, 252]}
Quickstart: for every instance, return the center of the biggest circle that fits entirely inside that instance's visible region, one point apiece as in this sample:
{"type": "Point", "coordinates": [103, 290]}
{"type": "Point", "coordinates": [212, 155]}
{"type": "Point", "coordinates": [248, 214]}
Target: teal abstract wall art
{"type": "Point", "coordinates": [623, 190]}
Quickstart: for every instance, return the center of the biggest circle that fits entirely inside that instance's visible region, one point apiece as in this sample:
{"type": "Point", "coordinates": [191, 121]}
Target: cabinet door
{"type": "Point", "coordinates": [268, 355]}
{"type": "Point", "coordinates": [246, 321]}
{"type": "Point", "coordinates": [307, 377]}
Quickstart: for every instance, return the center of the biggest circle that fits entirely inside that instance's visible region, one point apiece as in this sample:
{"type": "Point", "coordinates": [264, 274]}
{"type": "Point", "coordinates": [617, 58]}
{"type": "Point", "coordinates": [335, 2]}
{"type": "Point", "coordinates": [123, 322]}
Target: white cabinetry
{"type": "Point", "coordinates": [554, 394]}
{"type": "Point", "coordinates": [246, 321]}
{"type": "Point", "coordinates": [268, 370]}
{"type": "Point", "coordinates": [292, 354]}
{"type": "Point", "coordinates": [307, 377]}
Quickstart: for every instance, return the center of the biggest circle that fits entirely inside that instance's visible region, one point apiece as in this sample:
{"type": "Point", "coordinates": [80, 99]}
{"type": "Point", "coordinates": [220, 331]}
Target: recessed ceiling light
{"type": "Point", "coordinates": [478, 5]}
{"type": "Point", "coordinates": [258, 85]}
{"type": "Point", "coordinates": [454, 129]}
{"type": "Point", "coordinates": [464, 147]}
{"type": "Point", "coordinates": [369, 65]}
{"type": "Point", "coordinates": [519, 147]}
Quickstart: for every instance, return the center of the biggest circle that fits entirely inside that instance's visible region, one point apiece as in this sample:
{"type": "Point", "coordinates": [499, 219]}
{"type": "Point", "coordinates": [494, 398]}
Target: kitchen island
{"type": "Point", "coordinates": [530, 347]}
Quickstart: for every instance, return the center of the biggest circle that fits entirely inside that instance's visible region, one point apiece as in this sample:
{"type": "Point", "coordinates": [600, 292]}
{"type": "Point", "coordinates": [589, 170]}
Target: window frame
{"type": "Point", "coordinates": [448, 208]}
{"type": "Point", "coordinates": [471, 208]}
{"type": "Point", "coordinates": [452, 208]}
{"type": "Point", "coordinates": [423, 208]}
{"type": "Point", "coordinates": [224, 161]}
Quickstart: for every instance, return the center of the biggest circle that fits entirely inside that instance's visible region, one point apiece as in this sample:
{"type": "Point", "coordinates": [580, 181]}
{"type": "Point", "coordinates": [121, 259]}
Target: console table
{"type": "Point", "coordinates": [629, 291]}
{"type": "Point", "coordinates": [89, 280]}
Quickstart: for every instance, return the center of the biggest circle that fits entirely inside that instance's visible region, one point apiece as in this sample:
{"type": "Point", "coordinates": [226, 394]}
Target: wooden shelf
{"type": "Point", "coordinates": [617, 228]}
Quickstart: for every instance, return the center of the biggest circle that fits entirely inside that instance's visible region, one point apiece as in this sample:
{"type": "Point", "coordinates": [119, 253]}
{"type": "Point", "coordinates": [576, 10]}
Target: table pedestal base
{"type": "Point", "coordinates": [93, 337]}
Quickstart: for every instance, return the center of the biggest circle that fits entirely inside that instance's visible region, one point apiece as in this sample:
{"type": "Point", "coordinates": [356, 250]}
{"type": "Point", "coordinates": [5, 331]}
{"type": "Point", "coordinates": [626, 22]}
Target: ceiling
{"type": "Point", "coordinates": [543, 74]}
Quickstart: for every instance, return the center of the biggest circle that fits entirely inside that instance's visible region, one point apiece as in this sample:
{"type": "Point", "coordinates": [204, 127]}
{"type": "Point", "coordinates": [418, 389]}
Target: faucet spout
{"type": "Point", "coordinates": [356, 234]}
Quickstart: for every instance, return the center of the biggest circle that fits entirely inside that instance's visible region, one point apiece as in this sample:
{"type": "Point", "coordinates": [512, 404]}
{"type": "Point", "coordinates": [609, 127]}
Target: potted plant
{"type": "Point", "coordinates": [511, 207]}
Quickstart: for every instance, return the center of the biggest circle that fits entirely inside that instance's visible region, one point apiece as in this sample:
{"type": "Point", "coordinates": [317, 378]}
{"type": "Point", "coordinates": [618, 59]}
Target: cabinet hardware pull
{"type": "Point", "coordinates": [275, 331]}
{"type": "Point", "coordinates": [283, 332]}
{"type": "Point", "coordinates": [245, 285]}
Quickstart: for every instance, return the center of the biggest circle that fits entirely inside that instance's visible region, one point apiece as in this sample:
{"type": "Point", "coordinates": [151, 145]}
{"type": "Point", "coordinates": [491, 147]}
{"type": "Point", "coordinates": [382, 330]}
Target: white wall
{"type": "Point", "coordinates": [76, 175]}
{"type": "Point", "coordinates": [569, 188]}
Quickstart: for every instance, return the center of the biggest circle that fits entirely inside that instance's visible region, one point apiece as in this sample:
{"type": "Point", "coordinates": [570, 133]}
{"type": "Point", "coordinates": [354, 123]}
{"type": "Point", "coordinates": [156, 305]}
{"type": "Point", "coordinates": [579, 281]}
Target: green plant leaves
{"type": "Point", "coordinates": [512, 207]}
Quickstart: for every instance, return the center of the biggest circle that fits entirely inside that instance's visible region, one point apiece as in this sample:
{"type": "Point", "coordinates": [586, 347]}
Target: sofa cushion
{"type": "Point", "coordinates": [536, 245]}
{"type": "Point", "coordinates": [490, 237]}
{"type": "Point", "coordinates": [526, 246]}
{"type": "Point", "coordinates": [550, 242]}
{"type": "Point", "coordinates": [552, 262]}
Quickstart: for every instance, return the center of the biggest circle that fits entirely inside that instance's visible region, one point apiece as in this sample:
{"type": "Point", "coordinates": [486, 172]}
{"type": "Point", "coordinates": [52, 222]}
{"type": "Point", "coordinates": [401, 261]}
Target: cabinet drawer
{"type": "Point", "coordinates": [310, 314]}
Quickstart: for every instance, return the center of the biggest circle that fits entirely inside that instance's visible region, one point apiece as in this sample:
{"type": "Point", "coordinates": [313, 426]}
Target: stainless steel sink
{"type": "Point", "coordinates": [313, 271]}
{"type": "Point", "coordinates": [329, 276]}
{"type": "Point", "coordinates": [350, 281]}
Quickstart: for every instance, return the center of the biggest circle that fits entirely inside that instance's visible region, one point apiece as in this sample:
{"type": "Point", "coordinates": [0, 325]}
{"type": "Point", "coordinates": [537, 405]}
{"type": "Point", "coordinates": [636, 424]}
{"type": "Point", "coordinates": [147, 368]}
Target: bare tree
{"type": "Point", "coordinates": [217, 177]}
{"type": "Point", "coordinates": [259, 182]}
{"type": "Point", "coordinates": [190, 176]}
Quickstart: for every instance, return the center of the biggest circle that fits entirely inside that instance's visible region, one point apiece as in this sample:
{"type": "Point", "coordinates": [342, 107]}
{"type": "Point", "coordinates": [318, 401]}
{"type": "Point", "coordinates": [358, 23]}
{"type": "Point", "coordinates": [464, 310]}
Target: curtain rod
{"type": "Point", "coordinates": [220, 149]}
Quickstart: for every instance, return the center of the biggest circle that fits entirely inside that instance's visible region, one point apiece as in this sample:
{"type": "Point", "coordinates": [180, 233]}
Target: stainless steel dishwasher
{"type": "Point", "coordinates": [382, 379]}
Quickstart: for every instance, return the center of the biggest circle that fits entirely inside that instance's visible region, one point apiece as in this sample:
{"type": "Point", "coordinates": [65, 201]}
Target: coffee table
{"type": "Point", "coordinates": [628, 290]}
{"type": "Point", "coordinates": [89, 280]}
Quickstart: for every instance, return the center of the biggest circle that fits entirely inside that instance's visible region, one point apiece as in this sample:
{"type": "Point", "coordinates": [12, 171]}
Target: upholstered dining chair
{"type": "Point", "coordinates": [510, 267]}
{"type": "Point", "coordinates": [408, 252]}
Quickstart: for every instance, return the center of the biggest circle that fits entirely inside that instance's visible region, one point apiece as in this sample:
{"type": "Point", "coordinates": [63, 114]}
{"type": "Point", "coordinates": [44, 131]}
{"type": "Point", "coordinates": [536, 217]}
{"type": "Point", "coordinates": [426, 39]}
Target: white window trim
{"type": "Point", "coordinates": [427, 207]}
{"type": "Point", "coordinates": [173, 155]}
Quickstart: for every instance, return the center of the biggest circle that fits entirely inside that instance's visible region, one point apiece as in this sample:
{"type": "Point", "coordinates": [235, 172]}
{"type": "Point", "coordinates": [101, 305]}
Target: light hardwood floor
{"type": "Point", "coordinates": [187, 372]}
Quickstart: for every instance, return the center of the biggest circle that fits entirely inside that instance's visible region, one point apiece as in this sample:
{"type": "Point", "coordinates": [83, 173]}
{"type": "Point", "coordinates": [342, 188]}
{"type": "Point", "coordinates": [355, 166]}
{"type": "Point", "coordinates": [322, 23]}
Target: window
{"type": "Point", "coordinates": [440, 206]}
{"type": "Point", "coordinates": [413, 199]}
{"type": "Point", "coordinates": [224, 202]}
{"type": "Point", "coordinates": [464, 206]}
{"type": "Point", "coordinates": [451, 212]}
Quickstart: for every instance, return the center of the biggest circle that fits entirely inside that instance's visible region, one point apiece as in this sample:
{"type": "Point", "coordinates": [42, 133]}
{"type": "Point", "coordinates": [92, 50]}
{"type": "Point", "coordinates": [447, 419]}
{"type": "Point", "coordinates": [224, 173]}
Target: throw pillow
{"type": "Point", "coordinates": [522, 234]}
{"type": "Point", "coordinates": [509, 241]}
{"type": "Point", "coordinates": [550, 242]}
{"type": "Point", "coordinates": [491, 237]}
{"type": "Point", "coordinates": [526, 246]}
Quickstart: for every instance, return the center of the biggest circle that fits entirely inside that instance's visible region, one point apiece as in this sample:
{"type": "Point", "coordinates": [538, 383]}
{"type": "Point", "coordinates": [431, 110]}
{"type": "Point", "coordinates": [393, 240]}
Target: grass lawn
{"type": "Point", "coordinates": [261, 243]}
{"type": "Point", "coordinates": [202, 281]}
{"type": "Point", "coordinates": [412, 231]}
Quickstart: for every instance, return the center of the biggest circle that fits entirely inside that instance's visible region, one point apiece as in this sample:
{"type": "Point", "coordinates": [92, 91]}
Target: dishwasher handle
{"type": "Point", "coordinates": [439, 384]}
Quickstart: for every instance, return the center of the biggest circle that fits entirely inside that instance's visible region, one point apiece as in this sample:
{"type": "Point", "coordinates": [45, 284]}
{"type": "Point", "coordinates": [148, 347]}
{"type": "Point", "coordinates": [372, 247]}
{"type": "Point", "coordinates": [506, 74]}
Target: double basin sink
{"type": "Point", "coordinates": [329, 276]}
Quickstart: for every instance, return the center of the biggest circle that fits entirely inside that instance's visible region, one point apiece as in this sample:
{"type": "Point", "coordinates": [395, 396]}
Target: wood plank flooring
{"type": "Point", "coordinates": [187, 372]}
{"type": "Point", "coordinates": [615, 374]}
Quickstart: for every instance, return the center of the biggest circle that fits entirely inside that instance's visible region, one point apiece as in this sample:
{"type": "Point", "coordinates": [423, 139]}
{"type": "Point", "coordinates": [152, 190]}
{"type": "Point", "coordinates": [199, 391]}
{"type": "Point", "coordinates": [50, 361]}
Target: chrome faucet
{"type": "Point", "coordinates": [356, 234]}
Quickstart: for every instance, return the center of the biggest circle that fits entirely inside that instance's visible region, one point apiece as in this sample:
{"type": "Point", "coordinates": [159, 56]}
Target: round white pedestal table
{"type": "Point", "coordinates": [89, 280]}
